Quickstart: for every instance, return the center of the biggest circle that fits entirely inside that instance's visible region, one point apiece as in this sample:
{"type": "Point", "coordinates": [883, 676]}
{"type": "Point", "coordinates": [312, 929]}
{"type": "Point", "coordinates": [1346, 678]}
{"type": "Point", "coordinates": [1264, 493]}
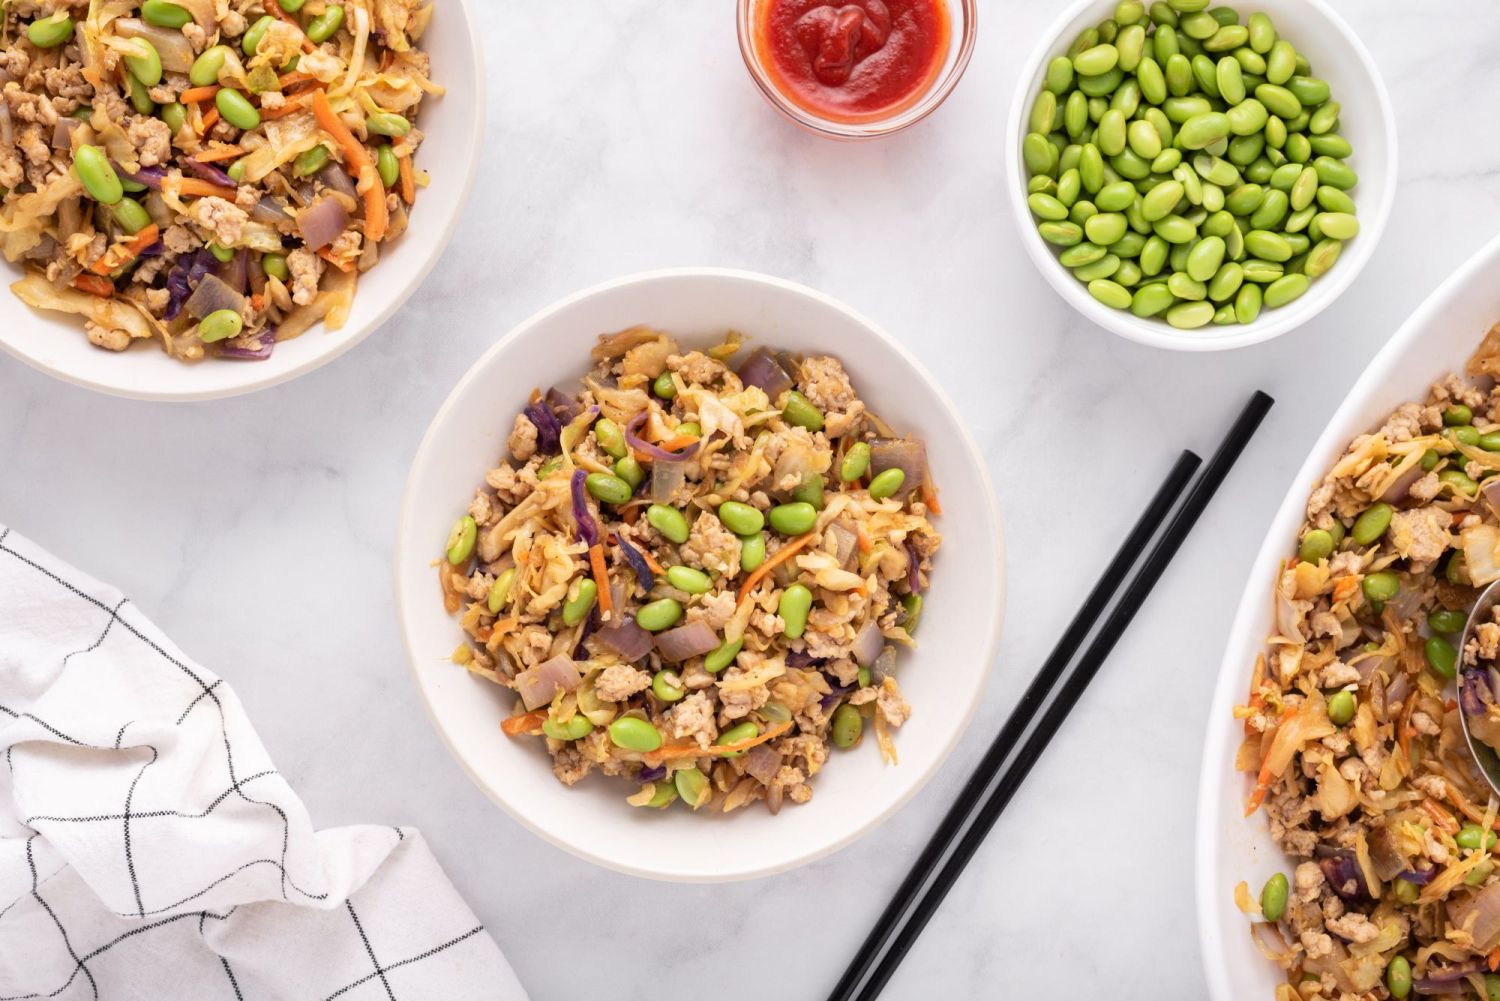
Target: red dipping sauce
{"type": "Point", "coordinates": [854, 61]}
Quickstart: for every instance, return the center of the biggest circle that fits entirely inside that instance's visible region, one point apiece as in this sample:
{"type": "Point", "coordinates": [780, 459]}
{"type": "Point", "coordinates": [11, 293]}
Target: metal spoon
{"type": "Point", "coordinates": [1484, 755]}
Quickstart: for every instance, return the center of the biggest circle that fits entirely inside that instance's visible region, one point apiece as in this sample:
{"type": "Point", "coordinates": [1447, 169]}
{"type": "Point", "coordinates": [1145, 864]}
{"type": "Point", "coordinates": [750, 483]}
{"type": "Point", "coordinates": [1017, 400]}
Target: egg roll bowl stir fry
{"type": "Point", "coordinates": [1352, 727]}
{"type": "Point", "coordinates": [215, 174]}
{"type": "Point", "coordinates": [696, 577]}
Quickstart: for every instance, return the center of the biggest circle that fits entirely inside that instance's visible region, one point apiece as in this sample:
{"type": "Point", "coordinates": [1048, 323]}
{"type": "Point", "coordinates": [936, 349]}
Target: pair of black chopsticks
{"type": "Point", "coordinates": [984, 798]}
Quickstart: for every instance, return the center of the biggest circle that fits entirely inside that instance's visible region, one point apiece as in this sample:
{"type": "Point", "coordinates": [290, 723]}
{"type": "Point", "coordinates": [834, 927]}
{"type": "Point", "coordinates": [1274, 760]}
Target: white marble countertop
{"type": "Point", "coordinates": [624, 136]}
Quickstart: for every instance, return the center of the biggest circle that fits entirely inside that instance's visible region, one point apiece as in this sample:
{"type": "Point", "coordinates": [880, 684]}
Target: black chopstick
{"type": "Point", "coordinates": [895, 932]}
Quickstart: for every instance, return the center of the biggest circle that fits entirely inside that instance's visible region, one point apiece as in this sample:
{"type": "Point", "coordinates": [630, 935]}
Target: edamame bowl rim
{"type": "Point", "coordinates": [1343, 59]}
{"type": "Point", "coordinates": [696, 304]}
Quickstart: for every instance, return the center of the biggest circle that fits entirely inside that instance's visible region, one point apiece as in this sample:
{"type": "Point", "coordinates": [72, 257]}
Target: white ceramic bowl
{"type": "Point", "coordinates": [942, 678]}
{"type": "Point", "coordinates": [454, 124]}
{"type": "Point", "coordinates": [1436, 340]}
{"type": "Point", "coordinates": [1338, 56]}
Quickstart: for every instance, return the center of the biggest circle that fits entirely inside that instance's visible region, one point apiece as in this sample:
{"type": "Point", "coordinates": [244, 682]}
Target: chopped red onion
{"type": "Point", "coordinates": [1474, 692]}
{"type": "Point", "coordinates": [271, 211]}
{"type": "Point", "coordinates": [1340, 869]}
{"type": "Point", "coordinates": [692, 640]}
{"type": "Point", "coordinates": [212, 295]}
{"type": "Point", "coordinates": [208, 172]}
{"type": "Point", "coordinates": [800, 658]}
{"type": "Point", "coordinates": [666, 479]}
{"type": "Point", "coordinates": [588, 528]}
{"type": "Point", "coordinates": [625, 638]}
{"type": "Point", "coordinates": [62, 133]}
{"type": "Point", "coordinates": [336, 177]}
{"type": "Point", "coordinates": [322, 222]}
{"type": "Point", "coordinates": [646, 448]}
{"type": "Point", "coordinates": [590, 624]}
{"type": "Point", "coordinates": [763, 762]}
{"type": "Point", "coordinates": [765, 370]}
{"type": "Point", "coordinates": [172, 46]}
{"type": "Point", "coordinates": [913, 569]}
{"type": "Point", "coordinates": [1491, 493]}
{"type": "Point", "coordinates": [1401, 486]}
{"type": "Point", "coordinates": [900, 453]}
{"type": "Point", "coordinates": [1447, 979]}
{"type": "Point", "coordinates": [868, 643]}
{"type": "Point", "coordinates": [564, 406]}
{"type": "Point", "coordinates": [537, 685]}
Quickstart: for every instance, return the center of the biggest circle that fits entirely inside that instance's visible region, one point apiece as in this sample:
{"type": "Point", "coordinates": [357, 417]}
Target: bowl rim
{"type": "Point", "coordinates": [1268, 325]}
{"type": "Point", "coordinates": [961, 48]}
{"type": "Point", "coordinates": [987, 652]}
{"type": "Point", "coordinates": [1251, 611]}
{"type": "Point", "coordinates": [342, 344]}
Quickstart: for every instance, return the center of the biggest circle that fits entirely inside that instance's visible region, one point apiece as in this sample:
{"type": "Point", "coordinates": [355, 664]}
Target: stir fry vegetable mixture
{"type": "Point", "coordinates": [696, 577]}
{"type": "Point", "coordinates": [1352, 731]}
{"type": "Point", "coordinates": [209, 172]}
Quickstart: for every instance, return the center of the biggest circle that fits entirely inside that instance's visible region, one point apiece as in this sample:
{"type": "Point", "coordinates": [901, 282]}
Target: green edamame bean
{"type": "Point", "coordinates": [175, 115]}
{"type": "Point", "coordinates": [236, 109]}
{"type": "Point", "coordinates": [1150, 300]}
{"type": "Point", "coordinates": [856, 463]}
{"type": "Point", "coordinates": [629, 470]}
{"type": "Point", "coordinates": [1332, 199]}
{"type": "Point", "coordinates": [1247, 303]}
{"type": "Point", "coordinates": [292, 6]}
{"type": "Point", "coordinates": [667, 686]}
{"type": "Point", "coordinates": [1281, 62]}
{"type": "Point", "coordinates": [1203, 130]}
{"type": "Point", "coordinates": [274, 265]}
{"type": "Point", "coordinates": [1266, 245]}
{"type": "Point", "coordinates": [1152, 81]}
{"type": "Point", "coordinates": [1047, 207]}
{"type": "Point", "coordinates": [1317, 545]}
{"type": "Point", "coordinates": [1460, 481]}
{"type": "Point", "coordinates": [1441, 656]}
{"type": "Point", "coordinates": [251, 40]}
{"type": "Point", "coordinates": [1190, 315]}
{"type": "Point", "coordinates": [1272, 210]}
{"type": "Point", "coordinates": [1273, 898]}
{"type": "Point", "coordinates": [387, 124]}
{"type": "Point", "coordinates": [1102, 268]}
{"type": "Point", "coordinates": [1335, 173]}
{"type": "Point", "coordinates": [1262, 33]}
{"type": "Point", "coordinates": [1096, 61]}
{"type": "Point", "coordinates": [717, 660]}
{"type": "Point", "coordinates": [1144, 140]}
{"type": "Point", "coordinates": [1226, 282]}
{"type": "Point", "coordinates": [387, 165]}
{"type": "Point", "coordinates": [1330, 145]}
{"type": "Point", "coordinates": [798, 412]}
{"type": "Point", "coordinates": [222, 254]}
{"type": "Point", "coordinates": [634, 734]}
{"type": "Point", "coordinates": [1104, 228]}
{"type": "Point", "coordinates": [847, 726]}
{"type": "Point", "coordinates": [1115, 197]}
{"type": "Point", "coordinates": [576, 608]}
{"type": "Point", "coordinates": [887, 483]}
{"type": "Point", "coordinates": [1490, 441]}
{"type": "Point", "coordinates": [1447, 620]}
{"type": "Point", "coordinates": [752, 552]}
{"type": "Point", "coordinates": [310, 161]}
{"type": "Point", "coordinates": [225, 323]}
{"type": "Point", "coordinates": [1059, 75]}
{"type": "Point", "coordinates": [742, 519]}
{"type": "Point", "coordinates": [1398, 971]}
{"type": "Point", "coordinates": [657, 615]}
{"type": "Point", "coordinates": [206, 68]}
{"type": "Point", "coordinates": [1038, 154]}
{"type": "Point", "coordinates": [608, 489]}
{"type": "Point", "coordinates": [737, 735]}
{"type": "Point", "coordinates": [500, 591]}
{"type": "Point", "coordinates": [1111, 294]}
{"type": "Point", "coordinates": [323, 27]}
{"type": "Point", "coordinates": [796, 518]}
{"type": "Point", "coordinates": [164, 14]}
{"type": "Point", "coordinates": [1204, 259]}
{"type": "Point", "coordinates": [1341, 707]}
{"type": "Point", "coordinates": [1284, 289]}
{"type": "Point", "coordinates": [1321, 258]}
{"type": "Point", "coordinates": [1091, 168]}
{"type": "Point", "coordinates": [689, 579]}
{"type": "Point", "coordinates": [465, 530]}
{"type": "Point", "coordinates": [669, 521]}
{"type": "Point", "coordinates": [1472, 836]}
{"type": "Point", "coordinates": [576, 728]}
{"type": "Point", "coordinates": [1159, 202]}
{"type": "Point", "coordinates": [692, 786]}
{"type": "Point", "coordinates": [97, 175]}
{"type": "Point", "coordinates": [1184, 287]}
{"type": "Point", "coordinates": [1325, 119]}
{"type": "Point", "coordinates": [50, 32]}
{"type": "Point", "coordinates": [131, 215]}
{"type": "Point", "coordinates": [664, 387]}
{"type": "Point", "coordinates": [1061, 234]}
{"type": "Point", "coordinates": [1337, 225]}
{"type": "Point", "coordinates": [1175, 229]}
{"type": "Point", "coordinates": [1371, 524]}
{"type": "Point", "coordinates": [794, 606]}
{"type": "Point", "coordinates": [1381, 586]}
{"type": "Point", "coordinates": [610, 438]}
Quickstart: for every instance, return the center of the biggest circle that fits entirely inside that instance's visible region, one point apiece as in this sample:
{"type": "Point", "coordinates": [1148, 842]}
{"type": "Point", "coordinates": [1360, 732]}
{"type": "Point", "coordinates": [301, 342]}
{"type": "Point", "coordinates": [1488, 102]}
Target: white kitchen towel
{"type": "Point", "coordinates": [149, 849]}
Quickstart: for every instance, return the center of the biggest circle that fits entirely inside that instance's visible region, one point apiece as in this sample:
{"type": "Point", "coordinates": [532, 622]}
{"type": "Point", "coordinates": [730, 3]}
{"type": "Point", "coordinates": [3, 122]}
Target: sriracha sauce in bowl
{"type": "Point", "coordinates": [858, 68]}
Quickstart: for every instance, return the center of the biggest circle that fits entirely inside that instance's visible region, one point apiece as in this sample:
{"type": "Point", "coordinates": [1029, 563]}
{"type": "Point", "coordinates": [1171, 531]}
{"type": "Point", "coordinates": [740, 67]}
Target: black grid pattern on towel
{"type": "Point", "coordinates": [129, 817]}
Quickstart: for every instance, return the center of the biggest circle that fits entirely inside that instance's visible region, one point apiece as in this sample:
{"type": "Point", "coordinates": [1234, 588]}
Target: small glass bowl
{"type": "Point", "coordinates": [962, 18]}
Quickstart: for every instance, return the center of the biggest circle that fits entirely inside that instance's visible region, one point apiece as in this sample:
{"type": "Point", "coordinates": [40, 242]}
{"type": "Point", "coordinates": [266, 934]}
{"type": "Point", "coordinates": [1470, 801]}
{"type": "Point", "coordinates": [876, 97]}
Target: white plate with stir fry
{"type": "Point", "coordinates": [1337, 794]}
{"type": "Point", "coordinates": [200, 198]}
{"type": "Point", "coordinates": [675, 629]}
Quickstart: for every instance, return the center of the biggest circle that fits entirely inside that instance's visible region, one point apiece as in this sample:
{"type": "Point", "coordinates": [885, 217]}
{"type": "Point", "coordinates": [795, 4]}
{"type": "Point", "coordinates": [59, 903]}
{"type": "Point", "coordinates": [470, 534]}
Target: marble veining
{"type": "Point", "coordinates": [626, 135]}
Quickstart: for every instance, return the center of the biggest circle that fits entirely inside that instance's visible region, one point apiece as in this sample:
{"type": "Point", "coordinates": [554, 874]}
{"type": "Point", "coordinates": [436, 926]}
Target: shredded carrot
{"type": "Point", "coordinates": [293, 78]}
{"type": "Point", "coordinates": [257, 302]}
{"type": "Point", "coordinates": [1493, 960]}
{"type": "Point", "coordinates": [94, 285]}
{"type": "Point", "coordinates": [222, 153]}
{"type": "Point", "coordinates": [357, 163]}
{"type": "Point", "coordinates": [408, 181]}
{"type": "Point", "coordinates": [782, 555]}
{"type": "Point", "coordinates": [694, 751]}
{"type": "Point", "coordinates": [1440, 816]}
{"type": "Point", "coordinates": [930, 497]}
{"type": "Point", "coordinates": [275, 8]}
{"type": "Point", "coordinates": [631, 515]}
{"type": "Point", "coordinates": [678, 442]}
{"type": "Point", "coordinates": [289, 108]}
{"type": "Point", "coordinates": [865, 545]}
{"type": "Point", "coordinates": [1344, 587]}
{"type": "Point", "coordinates": [1403, 726]}
{"type": "Point", "coordinates": [202, 189]}
{"type": "Point", "coordinates": [526, 722]}
{"type": "Point", "coordinates": [108, 261]}
{"type": "Point", "coordinates": [195, 94]}
{"type": "Point", "coordinates": [342, 265]}
{"type": "Point", "coordinates": [1263, 777]}
{"type": "Point", "coordinates": [210, 119]}
{"type": "Point", "coordinates": [601, 578]}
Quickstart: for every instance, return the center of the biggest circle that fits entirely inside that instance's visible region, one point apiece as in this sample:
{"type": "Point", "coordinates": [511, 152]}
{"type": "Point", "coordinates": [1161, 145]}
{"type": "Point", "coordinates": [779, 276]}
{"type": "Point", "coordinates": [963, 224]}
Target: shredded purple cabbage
{"type": "Point", "coordinates": [265, 343]}
{"type": "Point", "coordinates": [643, 574]}
{"type": "Point", "coordinates": [799, 658]}
{"type": "Point", "coordinates": [548, 427]}
{"type": "Point", "coordinates": [589, 625]}
{"type": "Point", "coordinates": [154, 250]}
{"type": "Point", "coordinates": [564, 406]}
{"type": "Point", "coordinates": [588, 528]}
{"type": "Point", "coordinates": [209, 173]}
{"type": "Point", "coordinates": [1418, 877]}
{"type": "Point", "coordinates": [1340, 869]}
{"type": "Point", "coordinates": [1474, 693]}
{"type": "Point", "coordinates": [834, 697]}
{"type": "Point", "coordinates": [654, 773]}
{"type": "Point", "coordinates": [913, 571]}
{"type": "Point", "coordinates": [184, 277]}
{"type": "Point", "coordinates": [151, 177]}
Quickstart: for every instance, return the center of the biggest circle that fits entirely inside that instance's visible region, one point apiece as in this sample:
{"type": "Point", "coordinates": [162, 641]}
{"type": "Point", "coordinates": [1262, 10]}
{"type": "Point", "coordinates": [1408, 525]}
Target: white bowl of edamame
{"type": "Point", "coordinates": [1436, 340]}
{"type": "Point", "coordinates": [942, 677]}
{"type": "Point", "coordinates": [1201, 178]}
{"type": "Point", "coordinates": [452, 123]}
